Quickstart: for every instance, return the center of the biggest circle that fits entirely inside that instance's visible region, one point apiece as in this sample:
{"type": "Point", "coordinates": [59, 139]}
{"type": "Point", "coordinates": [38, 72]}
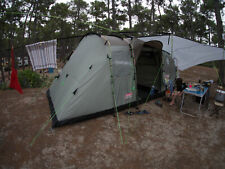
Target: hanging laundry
{"type": "Point", "coordinates": [43, 54]}
{"type": "Point", "coordinates": [14, 81]}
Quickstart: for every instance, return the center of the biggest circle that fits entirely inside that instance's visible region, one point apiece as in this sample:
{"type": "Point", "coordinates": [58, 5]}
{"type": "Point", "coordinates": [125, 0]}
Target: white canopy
{"type": "Point", "coordinates": [187, 53]}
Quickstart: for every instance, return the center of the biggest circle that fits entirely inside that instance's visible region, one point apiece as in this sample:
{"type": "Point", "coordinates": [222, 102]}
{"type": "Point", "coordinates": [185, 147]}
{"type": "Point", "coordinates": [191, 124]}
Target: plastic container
{"type": "Point", "coordinates": [152, 92]}
{"type": "Point", "coordinates": [50, 70]}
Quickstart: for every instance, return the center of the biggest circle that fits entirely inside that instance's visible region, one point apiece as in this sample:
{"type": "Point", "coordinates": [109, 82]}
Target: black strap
{"type": "Point", "coordinates": [75, 91]}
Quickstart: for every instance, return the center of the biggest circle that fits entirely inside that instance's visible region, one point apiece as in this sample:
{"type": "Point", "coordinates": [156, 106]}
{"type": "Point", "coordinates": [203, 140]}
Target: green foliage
{"type": "Point", "coordinates": [47, 81]}
{"type": "Point", "coordinates": [28, 21]}
{"type": "Point", "coordinates": [78, 16]}
{"type": "Point", "coordinates": [3, 86]}
{"type": "Point", "coordinates": [208, 64]}
{"type": "Point", "coordinates": [98, 10]}
{"type": "Point", "coordinates": [57, 26]}
{"type": "Point", "coordinates": [30, 79]}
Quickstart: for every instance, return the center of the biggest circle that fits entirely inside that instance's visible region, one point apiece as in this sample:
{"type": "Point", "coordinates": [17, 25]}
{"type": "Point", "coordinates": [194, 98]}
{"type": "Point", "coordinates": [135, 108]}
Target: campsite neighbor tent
{"type": "Point", "coordinates": [106, 72]}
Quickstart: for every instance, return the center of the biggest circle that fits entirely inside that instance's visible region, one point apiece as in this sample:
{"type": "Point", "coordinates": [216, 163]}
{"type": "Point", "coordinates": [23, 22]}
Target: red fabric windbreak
{"type": "Point", "coordinates": [14, 82]}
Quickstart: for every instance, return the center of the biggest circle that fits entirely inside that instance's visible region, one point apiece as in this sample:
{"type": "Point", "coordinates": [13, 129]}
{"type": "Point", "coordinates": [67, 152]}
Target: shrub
{"type": "Point", "coordinates": [3, 86]}
{"type": "Point", "coordinates": [29, 79]}
{"type": "Point", "coordinates": [47, 81]}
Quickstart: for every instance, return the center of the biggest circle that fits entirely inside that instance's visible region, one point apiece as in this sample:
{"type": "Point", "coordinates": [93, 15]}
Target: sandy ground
{"type": "Point", "coordinates": [163, 139]}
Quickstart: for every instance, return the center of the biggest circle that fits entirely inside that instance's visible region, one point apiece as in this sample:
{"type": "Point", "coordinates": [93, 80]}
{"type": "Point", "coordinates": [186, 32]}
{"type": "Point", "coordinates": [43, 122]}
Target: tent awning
{"type": "Point", "coordinates": [187, 53]}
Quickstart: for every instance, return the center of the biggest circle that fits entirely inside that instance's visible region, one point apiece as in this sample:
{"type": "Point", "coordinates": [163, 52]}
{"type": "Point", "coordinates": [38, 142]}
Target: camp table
{"type": "Point", "coordinates": [195, 92]}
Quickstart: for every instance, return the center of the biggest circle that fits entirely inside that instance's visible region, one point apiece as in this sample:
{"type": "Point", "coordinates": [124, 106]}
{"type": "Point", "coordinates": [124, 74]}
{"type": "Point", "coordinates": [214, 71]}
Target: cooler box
{"type": "Point", "coordinates": [50, 70]}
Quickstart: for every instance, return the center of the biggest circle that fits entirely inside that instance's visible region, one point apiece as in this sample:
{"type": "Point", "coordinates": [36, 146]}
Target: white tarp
{"type": "Point", "coordinates": [43, 54]}
{"type": "Point", "coordinates": [187, 53]}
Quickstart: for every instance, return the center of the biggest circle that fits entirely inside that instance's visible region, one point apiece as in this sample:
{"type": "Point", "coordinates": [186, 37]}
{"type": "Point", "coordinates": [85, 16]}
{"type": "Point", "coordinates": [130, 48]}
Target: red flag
{"type": "Point", "coordinates": [14, 82]}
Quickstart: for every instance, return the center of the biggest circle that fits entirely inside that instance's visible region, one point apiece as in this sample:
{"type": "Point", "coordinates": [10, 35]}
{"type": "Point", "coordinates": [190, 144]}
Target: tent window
{"type": "Point", "coordinates": [67, 75]}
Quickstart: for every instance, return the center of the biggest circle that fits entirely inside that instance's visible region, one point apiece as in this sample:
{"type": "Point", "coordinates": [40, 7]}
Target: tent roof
{"type": "Point", "coordinates": [188, 53]}
{"type": "Point", "coordinates": [115, 41]}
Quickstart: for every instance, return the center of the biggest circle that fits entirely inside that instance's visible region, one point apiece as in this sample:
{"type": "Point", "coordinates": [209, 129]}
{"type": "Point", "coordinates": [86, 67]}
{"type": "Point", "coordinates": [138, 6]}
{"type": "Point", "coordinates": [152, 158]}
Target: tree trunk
{"type": "Point", "coordinates": [153, 11]}
{"type": "Point", "coordinates": [209, 36]}
{"type": "Point", "coordinates": [9, 65]}
{"type": "Point", "coordinates": [113, 15]}
{"type": "Point", "coordinates": [160, 16]}
{"type": "Point", "coordinates": [29, 28]}
{"type": "Point", "coordinates": [108, 9]}
{"type": "Point", "coordinates": [25, 23]}
{"type": "Point", "coordinates": [129, 14]}
{"type": "Point", "coordinates": [78, 10]}
{"type": "Point", "coordinates": [170, 5]}
{"type": "Point", "coordinates": [24, 31]}
{"type": "Point", "coordinates": [2, 69]}
{"type": "Point", "coordinates": [192, 30]}
{"type": "Point", "coordinates": [220, 39]}
{"type": "Point", "coordinates": [35, 30]}
{"type": "Point", "coordinates": [78, 16]}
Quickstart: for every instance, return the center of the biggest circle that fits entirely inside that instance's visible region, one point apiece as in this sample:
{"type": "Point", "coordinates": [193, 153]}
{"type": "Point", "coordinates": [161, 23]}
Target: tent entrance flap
{"type": "Point", "coordinates": [148, 70]}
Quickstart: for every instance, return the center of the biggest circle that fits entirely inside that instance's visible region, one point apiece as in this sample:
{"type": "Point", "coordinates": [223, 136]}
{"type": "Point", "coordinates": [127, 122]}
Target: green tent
{"type": "Point", "coordinates": [105, 72]}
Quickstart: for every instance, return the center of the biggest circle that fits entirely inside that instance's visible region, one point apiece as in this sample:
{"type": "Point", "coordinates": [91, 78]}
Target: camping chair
{"type": "Point", "coordinates": [169, 91]}
{"type": "Point", "coordinates": [179, 87]}
{"type": "Point", "coordinates": [219, 101]}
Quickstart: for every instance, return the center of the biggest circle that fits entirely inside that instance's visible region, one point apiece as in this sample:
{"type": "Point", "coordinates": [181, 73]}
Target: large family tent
{"type": "Point", "coordinates": [107, 72]}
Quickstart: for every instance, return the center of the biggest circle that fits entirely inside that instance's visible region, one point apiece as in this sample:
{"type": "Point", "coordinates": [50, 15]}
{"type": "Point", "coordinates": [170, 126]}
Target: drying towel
{"type": "Point", "coordinates": [14, 81]}
{"type": "Point", "coordinates": [43, 54]}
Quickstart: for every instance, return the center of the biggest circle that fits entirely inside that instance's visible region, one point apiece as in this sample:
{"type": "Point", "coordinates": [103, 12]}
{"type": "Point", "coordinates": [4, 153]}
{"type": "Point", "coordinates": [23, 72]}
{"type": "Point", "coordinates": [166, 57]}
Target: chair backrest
{"type": "Point", "coordinates": [179, 83]}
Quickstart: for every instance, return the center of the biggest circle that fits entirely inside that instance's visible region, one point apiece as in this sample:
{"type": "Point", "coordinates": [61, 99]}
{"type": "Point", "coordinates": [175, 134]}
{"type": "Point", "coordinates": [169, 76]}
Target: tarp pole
{"type": "Point", "coordinates": [113, 90]}
{"type": "Point", "coordinates": [133, 85]}
{"type": "Point", "coordinates": [154, 82]}
{"type": "Point", "coordinates": [171, 52]}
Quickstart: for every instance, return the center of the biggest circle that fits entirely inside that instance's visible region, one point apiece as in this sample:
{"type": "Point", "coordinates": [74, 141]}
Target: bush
{"type": "Point", "coordinates": [47, 81]}
{"type": "Point", "coordinates": [3, 86]}
{"type": "Point", "coordinates": [212, 64]}
{"type": "Point", "coordinates": [29, 79]}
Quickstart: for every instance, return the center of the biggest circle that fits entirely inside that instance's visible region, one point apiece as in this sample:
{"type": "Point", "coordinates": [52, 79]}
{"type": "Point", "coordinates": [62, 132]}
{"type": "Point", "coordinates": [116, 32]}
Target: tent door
{"type": "Point", "coordinates": [148, 70]}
